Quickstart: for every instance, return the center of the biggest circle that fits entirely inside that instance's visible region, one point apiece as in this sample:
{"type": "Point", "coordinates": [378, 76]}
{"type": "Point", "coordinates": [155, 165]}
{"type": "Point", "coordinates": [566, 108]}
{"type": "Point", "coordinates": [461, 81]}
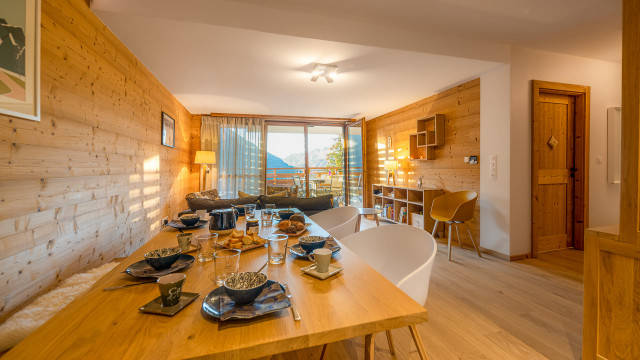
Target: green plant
{"type": "Point", "coordinates": [335, 157]}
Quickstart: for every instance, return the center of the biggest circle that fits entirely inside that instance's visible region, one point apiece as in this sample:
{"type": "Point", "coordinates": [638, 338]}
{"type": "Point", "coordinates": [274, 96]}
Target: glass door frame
{"type": "Point", "coordinates": [360, 122]}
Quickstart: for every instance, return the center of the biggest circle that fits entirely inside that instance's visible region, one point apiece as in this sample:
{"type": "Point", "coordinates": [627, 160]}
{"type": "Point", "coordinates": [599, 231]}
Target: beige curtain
{"type": "Point", "coordinates": [237, 143]}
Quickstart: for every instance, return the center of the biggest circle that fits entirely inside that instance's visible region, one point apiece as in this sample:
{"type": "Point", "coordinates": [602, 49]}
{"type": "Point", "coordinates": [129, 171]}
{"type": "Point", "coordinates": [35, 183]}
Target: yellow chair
{"type": "Point", "coordinates": [455, 208]}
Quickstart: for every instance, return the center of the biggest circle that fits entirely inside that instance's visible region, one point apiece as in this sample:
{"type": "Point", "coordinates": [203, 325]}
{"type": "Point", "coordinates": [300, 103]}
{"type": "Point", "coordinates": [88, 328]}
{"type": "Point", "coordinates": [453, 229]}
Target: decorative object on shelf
{"type": "Point", "coordinates": [168, 130]}
{"type": "Point", "coordinates": [391, 166]}
{"type": "Point", "coordinates": [420, 182]}
{"type": "Point", "coordinates": [20, 63]}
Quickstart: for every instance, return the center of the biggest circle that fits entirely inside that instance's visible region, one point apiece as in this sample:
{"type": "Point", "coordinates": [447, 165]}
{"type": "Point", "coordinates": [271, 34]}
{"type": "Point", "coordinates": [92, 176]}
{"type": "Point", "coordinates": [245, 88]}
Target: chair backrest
{"type": "Point", "coordinates": [401, 253]}
{"type": "Point", "coordinates": [339, 222]}
{"type": "Point", "coordinates": [336, 182]}
{"type": "Point", "coordinates": [458, 206]}
{"type": "Point", "coordinates": [297, 182]}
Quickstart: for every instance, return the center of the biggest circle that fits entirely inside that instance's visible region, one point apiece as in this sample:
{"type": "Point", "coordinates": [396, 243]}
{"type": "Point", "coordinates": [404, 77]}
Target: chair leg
{"type": "Point", "coordinates": [473, 241]}
{"type": "Point", "coordinates": [324, 348]}
{"type": "Point", "coordinates": [358, 223]}
{"type": "Point", "coordinates": [458, 235]}
{"type": "Point", "coordinates": [418, 340]}
{"type": "Point", "coordinates": [392, 348]}
{"type": "Point", "coordinates": [377, 221]}
{"type": "Point", "coordinates": [435, 227]}
{"type": "Point", "coordinates": [368, 347]}
{"type": "Point", "coordinates": [449, 243]}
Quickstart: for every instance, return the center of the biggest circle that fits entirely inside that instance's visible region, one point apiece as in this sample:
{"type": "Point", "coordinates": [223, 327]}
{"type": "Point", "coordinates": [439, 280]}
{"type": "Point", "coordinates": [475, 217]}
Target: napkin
{"type": "Point", "coordinates": [271, 298]}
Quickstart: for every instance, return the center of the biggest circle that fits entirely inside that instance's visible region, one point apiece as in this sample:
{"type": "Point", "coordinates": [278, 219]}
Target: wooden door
{"type": "Point", "coordinates": [558, 167]}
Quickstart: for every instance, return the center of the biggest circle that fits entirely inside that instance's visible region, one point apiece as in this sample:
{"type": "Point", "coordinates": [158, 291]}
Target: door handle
{"type": "Point", "coordinates": [572, 172]}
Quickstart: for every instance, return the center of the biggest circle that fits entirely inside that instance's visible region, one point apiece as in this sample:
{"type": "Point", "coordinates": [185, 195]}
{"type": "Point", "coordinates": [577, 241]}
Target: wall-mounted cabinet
{"type": "Point", "coordinates": [430, 134]}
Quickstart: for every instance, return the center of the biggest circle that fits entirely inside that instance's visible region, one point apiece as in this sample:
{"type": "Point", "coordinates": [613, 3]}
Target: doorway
{"type": "Point", "coordinates": [560, 168]}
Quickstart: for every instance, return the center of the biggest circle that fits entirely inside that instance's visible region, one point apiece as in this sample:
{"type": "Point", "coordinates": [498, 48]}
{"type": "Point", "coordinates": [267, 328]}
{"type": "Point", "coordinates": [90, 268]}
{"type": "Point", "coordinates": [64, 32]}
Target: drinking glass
{"type": "Point", "coordinates": [227, 263]}
{"type": "Point", "coordinates": [277, 248]}
{"type": "Point", "coordinates": [249, 211]}
{"type": "Point", "coordinates": [267, 214]}
{"type": "Point", "coordinates": [207, 245]}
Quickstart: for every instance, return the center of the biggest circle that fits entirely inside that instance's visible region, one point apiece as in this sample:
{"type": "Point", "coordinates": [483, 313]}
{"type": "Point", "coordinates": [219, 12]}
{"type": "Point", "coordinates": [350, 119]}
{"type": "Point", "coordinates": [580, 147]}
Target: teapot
{"type": "Point", "coordinates": [223, 220]}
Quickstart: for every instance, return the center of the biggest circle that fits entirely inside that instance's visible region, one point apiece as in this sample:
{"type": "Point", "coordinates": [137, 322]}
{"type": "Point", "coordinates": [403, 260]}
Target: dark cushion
{"type": "Point", "coordinates": [208, 204]}
{"type": "Point", "coordinates": [323, 202]}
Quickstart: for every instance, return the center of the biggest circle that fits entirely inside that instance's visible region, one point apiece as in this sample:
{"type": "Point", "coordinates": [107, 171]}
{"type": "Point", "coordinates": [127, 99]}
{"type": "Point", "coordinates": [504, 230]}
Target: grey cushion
{"type": "Point", "coordinates": [208, 204]}
{"type": "Point", "coordinates": [323, 202]}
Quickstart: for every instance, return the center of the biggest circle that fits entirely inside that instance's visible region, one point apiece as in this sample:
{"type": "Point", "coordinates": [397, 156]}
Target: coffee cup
{"type": "Point", "coordinates": [322, 258]}
{"type": "Point", "coordinates": [171, 288]}
{"type": "Point", "coordinates": [184, 241]}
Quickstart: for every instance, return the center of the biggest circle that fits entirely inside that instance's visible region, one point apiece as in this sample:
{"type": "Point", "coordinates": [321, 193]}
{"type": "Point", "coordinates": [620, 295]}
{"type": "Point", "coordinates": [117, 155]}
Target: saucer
{"type": "Point", "coordinates": [142, 269]}
{"type": "Point", "coordinates": [311, 270]}
{"type": "Point", "coordinates": [155, 305]}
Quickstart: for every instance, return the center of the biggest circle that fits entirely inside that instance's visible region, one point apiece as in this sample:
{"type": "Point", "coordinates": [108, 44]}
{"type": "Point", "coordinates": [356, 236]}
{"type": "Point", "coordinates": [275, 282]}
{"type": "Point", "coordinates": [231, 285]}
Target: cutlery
{"type": "Point", "coordinates": [265, 264]}
{"type": "Point", "coordinates": [124, 286]}
{"type": "Point", "coordinates": [294, 308]}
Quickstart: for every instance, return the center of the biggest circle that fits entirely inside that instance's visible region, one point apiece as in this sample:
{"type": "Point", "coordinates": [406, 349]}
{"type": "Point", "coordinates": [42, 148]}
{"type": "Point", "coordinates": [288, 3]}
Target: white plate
{"type": "Point", "coordinates": [311, 270]}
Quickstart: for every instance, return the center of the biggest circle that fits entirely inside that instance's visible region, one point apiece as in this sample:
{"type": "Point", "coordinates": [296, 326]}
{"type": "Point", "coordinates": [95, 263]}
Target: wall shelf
{"type": "Point", "coordinates": [429, 135]}
{"type": "Point", "coordinates": [413, 200]}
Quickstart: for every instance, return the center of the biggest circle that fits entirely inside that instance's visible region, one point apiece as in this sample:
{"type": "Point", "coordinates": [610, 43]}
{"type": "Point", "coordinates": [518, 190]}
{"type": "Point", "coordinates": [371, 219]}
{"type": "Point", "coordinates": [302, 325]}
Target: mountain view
{"type": "Point", "coordinates": [317, 158]}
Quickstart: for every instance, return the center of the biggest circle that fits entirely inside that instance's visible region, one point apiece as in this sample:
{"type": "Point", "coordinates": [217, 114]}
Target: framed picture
{"type": "Point", "coordinates": [20, 58]}
{"type": "Point", "coordinates": [168, 131]}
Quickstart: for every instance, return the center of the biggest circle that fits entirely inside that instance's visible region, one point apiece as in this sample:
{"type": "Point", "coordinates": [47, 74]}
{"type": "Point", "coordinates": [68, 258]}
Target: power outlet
{"type": "Point", "coordinates": [165, 221]}
{"type": "Point", "coordinates": [493, 167]}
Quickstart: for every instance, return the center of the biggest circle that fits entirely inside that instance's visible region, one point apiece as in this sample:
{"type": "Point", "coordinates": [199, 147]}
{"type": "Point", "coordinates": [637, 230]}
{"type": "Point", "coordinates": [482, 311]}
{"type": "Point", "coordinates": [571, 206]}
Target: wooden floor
{"type": "Point", "coordinates": [488, 309]}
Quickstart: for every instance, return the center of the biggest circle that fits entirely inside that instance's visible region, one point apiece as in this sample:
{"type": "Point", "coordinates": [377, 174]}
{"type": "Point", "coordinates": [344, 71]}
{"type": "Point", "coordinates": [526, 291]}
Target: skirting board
{"type": "Point", "coordinates": [505, 256]}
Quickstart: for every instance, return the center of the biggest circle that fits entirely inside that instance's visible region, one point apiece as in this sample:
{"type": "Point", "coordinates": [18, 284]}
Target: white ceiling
{"type": "Point", "coordinates": [255, 57]}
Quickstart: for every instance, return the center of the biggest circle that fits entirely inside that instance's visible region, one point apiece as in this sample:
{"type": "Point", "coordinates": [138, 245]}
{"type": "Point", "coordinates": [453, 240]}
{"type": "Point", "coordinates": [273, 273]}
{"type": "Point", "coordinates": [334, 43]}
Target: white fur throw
{"type": "Point", "coordinates": [24, 322]}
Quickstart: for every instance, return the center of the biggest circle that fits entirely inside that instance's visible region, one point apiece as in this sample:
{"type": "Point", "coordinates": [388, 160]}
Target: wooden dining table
{"type": "Point", "coordinates": [358, 301]}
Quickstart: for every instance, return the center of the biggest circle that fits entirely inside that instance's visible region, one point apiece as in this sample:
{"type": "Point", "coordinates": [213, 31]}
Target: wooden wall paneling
{"type": "Point", "coordinates": [90, 181]}
{"type": "Point", "coordinates": [612, 288]}
{"type": "Point", "coordinates": [461, 109]}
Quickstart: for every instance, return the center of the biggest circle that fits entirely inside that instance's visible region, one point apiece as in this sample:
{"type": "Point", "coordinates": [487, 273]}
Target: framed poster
{"type": "Point", "coordinates": [20, 58]}
{"type": "Point", "coordinates": [168, 130]}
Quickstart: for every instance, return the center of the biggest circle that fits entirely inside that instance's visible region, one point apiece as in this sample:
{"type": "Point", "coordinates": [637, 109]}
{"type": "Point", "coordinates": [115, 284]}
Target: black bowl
{"type": "Point", "coordinates": [245, 287]}
{"type": "Point", "coordinates": [189, 220]}
{"type": "Point", "coordinates": [285, 214]}
{"type": "Point", "coordinates": [162, 258]}
{"type": "Point", "coordinates": [312, 242]}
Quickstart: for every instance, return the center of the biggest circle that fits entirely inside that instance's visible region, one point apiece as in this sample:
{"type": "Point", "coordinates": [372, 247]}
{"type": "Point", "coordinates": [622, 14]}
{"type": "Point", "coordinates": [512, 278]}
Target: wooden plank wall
{"type": "Point", "coordinates": [90, 181]}
{"type": "Point", "coordinates": [461, 108]}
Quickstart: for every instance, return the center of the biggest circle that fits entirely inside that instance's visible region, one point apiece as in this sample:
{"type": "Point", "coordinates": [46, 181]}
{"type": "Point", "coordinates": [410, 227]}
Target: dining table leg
{"type": "Point", "coordinates": [418, 340]}
{"type": "Point", "coordinates": [368, 347]}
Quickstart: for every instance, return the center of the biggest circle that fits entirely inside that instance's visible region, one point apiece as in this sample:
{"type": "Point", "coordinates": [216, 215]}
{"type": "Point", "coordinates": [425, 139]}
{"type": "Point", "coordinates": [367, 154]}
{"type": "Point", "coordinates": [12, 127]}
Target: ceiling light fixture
{"type": "Point", "coordinates": [329, 72]}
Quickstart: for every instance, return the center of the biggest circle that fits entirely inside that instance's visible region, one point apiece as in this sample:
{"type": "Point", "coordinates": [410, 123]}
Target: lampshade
{"type": "Point", "coordinates": [390, 165]}
{"type": "Point", "coordinates": [205, 157]}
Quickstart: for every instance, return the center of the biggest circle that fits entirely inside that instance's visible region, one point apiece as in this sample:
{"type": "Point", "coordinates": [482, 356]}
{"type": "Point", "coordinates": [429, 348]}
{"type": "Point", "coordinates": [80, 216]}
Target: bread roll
{"type": "Point", "coordinates": [284, 224]}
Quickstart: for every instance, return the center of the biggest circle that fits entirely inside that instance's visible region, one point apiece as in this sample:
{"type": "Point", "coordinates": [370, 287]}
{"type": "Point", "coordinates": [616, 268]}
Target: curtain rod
{"type": "Point", "coordinates": [285, 118]}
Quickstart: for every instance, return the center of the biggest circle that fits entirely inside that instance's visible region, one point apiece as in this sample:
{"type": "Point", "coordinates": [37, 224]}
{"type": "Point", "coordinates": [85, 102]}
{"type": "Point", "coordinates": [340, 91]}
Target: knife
{"type": "Point", "coordinates": [294, 308]}
{"type": "Point", "coordinates": [124, 286]}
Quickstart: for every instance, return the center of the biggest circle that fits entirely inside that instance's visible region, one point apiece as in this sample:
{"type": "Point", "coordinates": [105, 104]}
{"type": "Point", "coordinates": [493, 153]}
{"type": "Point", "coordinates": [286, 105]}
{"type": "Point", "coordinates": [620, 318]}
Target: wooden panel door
{"type": "Point", "coordinates": [554, 147]}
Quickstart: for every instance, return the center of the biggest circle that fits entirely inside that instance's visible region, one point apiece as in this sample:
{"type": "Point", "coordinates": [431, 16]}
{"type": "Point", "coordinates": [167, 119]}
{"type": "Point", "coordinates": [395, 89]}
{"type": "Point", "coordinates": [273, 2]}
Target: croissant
{"type": "Point", "coordinates": [284, 224]}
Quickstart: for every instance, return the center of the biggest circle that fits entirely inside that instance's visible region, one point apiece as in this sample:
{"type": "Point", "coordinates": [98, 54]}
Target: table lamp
{"type": "Point", "coordinates": [391, 166]}
{"type": "Point", "coordinates": [204, 158]}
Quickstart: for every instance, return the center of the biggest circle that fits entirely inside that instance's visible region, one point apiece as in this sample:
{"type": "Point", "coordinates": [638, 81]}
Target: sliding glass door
{"type": "Point", "coordinates": [286, 158]}
{"type": "Point", "coordinates": [326, 161]}
{"type": "Point", "coordinates": [354, 165]}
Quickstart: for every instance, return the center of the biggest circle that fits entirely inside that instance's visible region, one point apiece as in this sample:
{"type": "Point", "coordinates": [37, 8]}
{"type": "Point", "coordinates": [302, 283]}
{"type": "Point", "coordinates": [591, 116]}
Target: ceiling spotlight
{"type": "Point", "coordinates": [329, 72]}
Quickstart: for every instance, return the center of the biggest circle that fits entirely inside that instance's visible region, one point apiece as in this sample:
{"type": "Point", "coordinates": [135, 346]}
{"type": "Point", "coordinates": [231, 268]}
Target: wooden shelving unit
{"type": "Point", "coordinates": [430, 134]}
{"type": "Point", "coordinates": [416, 201]}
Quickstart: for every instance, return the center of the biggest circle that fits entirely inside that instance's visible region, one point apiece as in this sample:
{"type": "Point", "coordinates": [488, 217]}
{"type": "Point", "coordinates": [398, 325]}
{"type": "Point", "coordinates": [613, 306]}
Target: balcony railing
{"type": "Point", "coordinates": [284, 176]}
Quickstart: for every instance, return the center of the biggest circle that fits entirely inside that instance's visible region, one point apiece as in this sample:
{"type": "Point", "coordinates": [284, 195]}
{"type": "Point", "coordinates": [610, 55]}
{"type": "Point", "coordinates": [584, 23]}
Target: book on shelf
{"type": "Point", "coordinates": [403, 214]}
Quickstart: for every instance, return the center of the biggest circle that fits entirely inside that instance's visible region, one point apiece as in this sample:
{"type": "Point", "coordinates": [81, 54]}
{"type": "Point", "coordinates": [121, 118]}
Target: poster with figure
{"type": "Point", "coordinates": [20, 58]}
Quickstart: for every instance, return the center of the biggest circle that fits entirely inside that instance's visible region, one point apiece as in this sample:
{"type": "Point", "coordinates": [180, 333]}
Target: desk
{"type": "Point", "coordinates": [107, 324]}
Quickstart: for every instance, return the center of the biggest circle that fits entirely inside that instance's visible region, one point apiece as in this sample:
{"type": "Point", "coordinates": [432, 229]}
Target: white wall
{"type": "Point", "coordinates": [605, 81]}
{"type": "Point", "coordinates": [494, 140]}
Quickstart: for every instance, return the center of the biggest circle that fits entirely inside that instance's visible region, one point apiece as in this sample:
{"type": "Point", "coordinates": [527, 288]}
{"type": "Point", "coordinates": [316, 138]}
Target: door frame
{"type": "Point", "coordinates": [361, 122]}
{"type": "Point", "coordinates": [582, 96]}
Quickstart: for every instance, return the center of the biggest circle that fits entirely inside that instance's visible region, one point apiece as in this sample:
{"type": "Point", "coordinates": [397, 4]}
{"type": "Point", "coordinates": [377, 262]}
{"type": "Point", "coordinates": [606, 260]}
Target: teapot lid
{"type": "Point", "coordinates": [223, 210]}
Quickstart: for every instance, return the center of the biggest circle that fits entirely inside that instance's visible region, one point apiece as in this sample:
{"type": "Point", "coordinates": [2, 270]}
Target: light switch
{"type": "Point", "coordinates": [493, 167]}
{"type": "Point", "coordinates": [466, 159]}
{"type": "Point", "coordinates": [599, 160]}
